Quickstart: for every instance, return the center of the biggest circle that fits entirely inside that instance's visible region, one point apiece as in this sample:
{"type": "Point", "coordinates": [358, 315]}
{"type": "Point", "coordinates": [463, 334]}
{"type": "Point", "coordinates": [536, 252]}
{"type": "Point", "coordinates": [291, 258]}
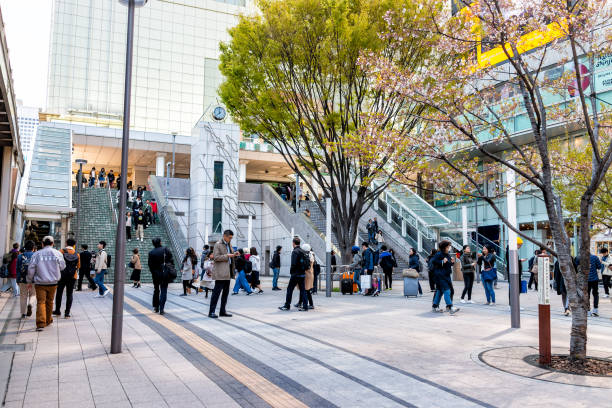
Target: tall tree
{"type": "Point", "coordinates": [505, 69]}
{"type": "Point", "coordinates": [292, 77]}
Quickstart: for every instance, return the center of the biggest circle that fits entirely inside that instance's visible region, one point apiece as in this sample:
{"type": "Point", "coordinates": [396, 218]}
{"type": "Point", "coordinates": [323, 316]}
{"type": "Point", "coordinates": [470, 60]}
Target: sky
{"type": "Point", "coordinates": [27, 26]}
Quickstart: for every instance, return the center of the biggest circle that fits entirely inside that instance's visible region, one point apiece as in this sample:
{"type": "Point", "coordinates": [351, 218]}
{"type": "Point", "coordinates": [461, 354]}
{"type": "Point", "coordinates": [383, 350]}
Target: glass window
{"type": "Point", "coordinates": [217, 215]}
{"type": "Point", "coordinates": [218, 175]}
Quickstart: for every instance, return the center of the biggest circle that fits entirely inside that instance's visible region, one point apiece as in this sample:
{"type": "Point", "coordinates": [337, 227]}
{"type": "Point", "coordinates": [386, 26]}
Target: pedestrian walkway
{"type": "Point", "coordinates": [351, 351]}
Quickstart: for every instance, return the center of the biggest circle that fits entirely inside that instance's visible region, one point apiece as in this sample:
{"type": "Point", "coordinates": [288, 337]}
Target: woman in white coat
{"type": "Point", "coordinates": [255, 261]}
{"type": "Point", "coordinates": [188, 270]}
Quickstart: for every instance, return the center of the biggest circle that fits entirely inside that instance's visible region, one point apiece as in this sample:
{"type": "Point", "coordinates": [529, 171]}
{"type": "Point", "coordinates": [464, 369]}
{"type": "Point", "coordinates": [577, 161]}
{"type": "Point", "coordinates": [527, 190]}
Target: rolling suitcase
{"type": "Point", "coordinates": [346, 284]}
{"type": "Point", "coordinates": [411, 287]}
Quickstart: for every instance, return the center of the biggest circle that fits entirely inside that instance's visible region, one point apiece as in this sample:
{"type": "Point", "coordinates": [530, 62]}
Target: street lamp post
{"type": "Point", "coordinates": [117, 322]}
{"type": "Point", "coordinates": [80, 162]}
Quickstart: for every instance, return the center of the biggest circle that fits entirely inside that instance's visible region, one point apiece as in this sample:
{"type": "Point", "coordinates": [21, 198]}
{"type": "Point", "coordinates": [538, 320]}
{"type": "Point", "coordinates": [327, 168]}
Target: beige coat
{"type": "Point", "coordinates": [221, 268]}
{"type": "Point", "coordinates": [309, 279]}
{"type": "Point", "coordinates": [136, 261]}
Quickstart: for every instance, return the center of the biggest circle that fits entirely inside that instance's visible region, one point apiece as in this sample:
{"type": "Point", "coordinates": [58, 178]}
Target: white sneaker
{"type": "Point", "coordinates": [606, 296]}
{"type": "Point", "coordinates": [437, 310]}
{"type": "Point", "coordinates": [492, 304]}
{"type": "Point", "coordinates": [470, 301]}
{"type": "Point", "coordinates": [462, 301]}
{"type": "Point", "coordinates": [595, 312]}
{"type": "Point", "coordinates": [106, 292]}
{"type": "Point", "coordinates": [454, 310]}
{"type": "Point", "coordinates": [98, 296]}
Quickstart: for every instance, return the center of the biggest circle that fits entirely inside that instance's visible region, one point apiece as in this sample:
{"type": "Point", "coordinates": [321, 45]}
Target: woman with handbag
{"type": "Point", "coordinates": [161, 265]}
{"type": "Point", "coordinates": [255, 282]}
{"type": "Point", "coordinates": [486, 261]}
{"type": "Point", "coordinates": [188, 270]}
{"type": "Point", "coordinates": [136, 268]}
{"type": "Point", "coordinates": [468, 268]}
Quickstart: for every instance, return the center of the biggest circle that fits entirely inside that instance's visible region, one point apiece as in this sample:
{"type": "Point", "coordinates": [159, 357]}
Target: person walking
{"type": "Point", "coordinates": [486, 260]}
{"type": "Point", "coordinates": [154, 210]}
{"type": "Point", "coordinates": [414, 262]}
{"type": "Point", "coordinates": [430, 271]}
{"type": "Point", "coordinates": [241, 274]}
{"type": "Point", "coordinates": [300, 262]}
{"type": "Point", "coordinates": [10, 260]}
{"type": "Point", "coordinates": [26, 290]}
{"type": "Point", "coordinates": [533, 275]}
{"type": "Point", "coordinates": [387, 263]}
{"type": "Point", "coordinates": [256, 266]}
{"type": "Point", "coordinates": [159, 256]}
{"type": "Point", "coordinates": [101, 268]}
{"type": "Point", "coordinates": [367, 259]}
{"type": "Point", "coordinates": [111, 178]}
{"type": "Point", "coordinates": [356, 267]}
{"type": "Point", "coordinates": [69, 277]}
{"type": "Point", "coordinates": [188, 270]}
{"type": "Point", "coordinates": [128, 226]}
{"type": "Point", "coordinates": [136, 268]}
{"type": "Point", "coordinates": [593, 283]}
{"type": "Point", "coordinates": [371, 232]}
{"type": "Point", "coordinates": [140, 223]}
{"type": "Point", "coordinates": [308, 278]}
{"type": "Point", "coordinates": [206, 280]}
{"type": "Point", "coordinates": [275, 264]}
{"type": "Point", "coordinates": [223, 270]}
{"type": "Point", "coordinates": [44, 273]}
{"type": "Point", "coordinates": [468, 269]}
{"type": "Point", "coordinates": [102, 177]}
{"type": "Point", "coordinates": [443, 263]}
{"type": "Point", "coordinates": [85, 269]}
{"type": "Point", "coordinates": [606, 271]}
{"type": "Point", "coordinates": [147, 213]}
{"type": "Point", "coordinates": [560, 288]}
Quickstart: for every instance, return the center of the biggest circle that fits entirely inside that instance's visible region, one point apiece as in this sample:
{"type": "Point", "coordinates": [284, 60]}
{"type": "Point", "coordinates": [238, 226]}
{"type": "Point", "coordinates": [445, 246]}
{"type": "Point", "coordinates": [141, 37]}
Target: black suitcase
{"type": "Point", "coordinates": [346, 286]}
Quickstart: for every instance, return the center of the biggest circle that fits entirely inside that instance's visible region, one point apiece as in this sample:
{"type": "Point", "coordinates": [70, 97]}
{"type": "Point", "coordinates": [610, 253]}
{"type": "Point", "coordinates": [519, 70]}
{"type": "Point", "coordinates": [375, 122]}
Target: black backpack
{"type": "Point", "coordinates": [304, 260]}
{"type": "Point", "coordinates": [386, 262]}
{"type": "Point", "coordinates": [248, 267]}
{"type": "Point", "coordinates": [72, 262]}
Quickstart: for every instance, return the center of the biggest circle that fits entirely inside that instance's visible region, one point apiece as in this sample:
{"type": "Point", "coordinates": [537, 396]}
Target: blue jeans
{"type": "Point", "coordinates": [276, 272]}
{"type": "Point", "coordinates": [447, 298]}
{"type": "Point", "coordinates": [241, 281]}
{"type": "Point", "coordinates": [357, 278]}
{"type": "Point", "coordinates": [488, 286]}
{"type": "Point", "coordinates": [99, 280]}
{"type": "Point", "coordinates": [11, 283]}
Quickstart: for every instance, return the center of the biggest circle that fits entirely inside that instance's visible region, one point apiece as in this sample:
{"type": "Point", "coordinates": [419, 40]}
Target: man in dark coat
{"type": "Point", "coordinates": [158, 256]}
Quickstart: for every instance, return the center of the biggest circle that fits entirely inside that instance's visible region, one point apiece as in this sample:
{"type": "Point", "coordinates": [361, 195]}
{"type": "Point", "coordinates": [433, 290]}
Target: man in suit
{"type": "Point", "coordinates": [223, 270]}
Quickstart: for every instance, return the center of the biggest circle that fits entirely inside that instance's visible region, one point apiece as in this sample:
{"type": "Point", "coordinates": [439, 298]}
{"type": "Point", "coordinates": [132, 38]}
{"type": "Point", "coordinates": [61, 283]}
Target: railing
{"type": "Point", "coordinates": [169, 220]}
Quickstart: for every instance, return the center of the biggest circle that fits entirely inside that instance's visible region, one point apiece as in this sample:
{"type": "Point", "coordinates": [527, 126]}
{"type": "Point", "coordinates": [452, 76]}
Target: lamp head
{"type": "Point", "coordinates": [137, 3]}
{"type": "Point", "coordinates": [80, 161]}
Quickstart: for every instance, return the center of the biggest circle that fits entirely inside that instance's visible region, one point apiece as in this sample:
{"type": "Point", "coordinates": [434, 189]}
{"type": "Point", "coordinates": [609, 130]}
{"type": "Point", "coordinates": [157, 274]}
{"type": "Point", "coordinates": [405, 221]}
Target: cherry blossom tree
{"type": "Point", "coordinates": [507, 78]}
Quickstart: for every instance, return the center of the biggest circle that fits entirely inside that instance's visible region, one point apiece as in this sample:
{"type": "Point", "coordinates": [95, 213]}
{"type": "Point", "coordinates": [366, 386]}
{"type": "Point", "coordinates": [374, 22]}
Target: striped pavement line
{"type": "Point", "coordinates": [267, 391]}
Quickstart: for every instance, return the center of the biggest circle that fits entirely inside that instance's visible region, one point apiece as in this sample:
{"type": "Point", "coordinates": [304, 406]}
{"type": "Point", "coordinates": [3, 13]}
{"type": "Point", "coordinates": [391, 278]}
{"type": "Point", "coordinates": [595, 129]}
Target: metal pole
{"type": "Point", "coordinates": [78, 214]}
{"type": "Point", "coordinates": [167, 181]}
{"type": "Point", "coordinates": [513, 276]}
{"type": "Point", "coordinates": [544, 309]}
{"type": "Point", "coordinates": [328, 247]}
{"type": "Point", "coordinates": [117, 322]}
{"type": "Point", "coordinates": [173, 144]}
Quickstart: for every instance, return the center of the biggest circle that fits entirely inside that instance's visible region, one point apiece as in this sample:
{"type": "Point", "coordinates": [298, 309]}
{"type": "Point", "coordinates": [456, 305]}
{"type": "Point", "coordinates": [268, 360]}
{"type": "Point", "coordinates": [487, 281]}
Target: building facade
{"type": "Point", "coordinates": [27, 119]}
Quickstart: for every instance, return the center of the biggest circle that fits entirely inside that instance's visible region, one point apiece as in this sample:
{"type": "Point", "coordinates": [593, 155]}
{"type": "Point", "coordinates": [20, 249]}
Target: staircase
{"type": "Point", "coordinates": [98, 223]}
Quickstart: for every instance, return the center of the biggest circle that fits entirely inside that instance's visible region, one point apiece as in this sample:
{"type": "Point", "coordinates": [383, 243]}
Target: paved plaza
{"type": "Point", "coordinates": [351, 351]}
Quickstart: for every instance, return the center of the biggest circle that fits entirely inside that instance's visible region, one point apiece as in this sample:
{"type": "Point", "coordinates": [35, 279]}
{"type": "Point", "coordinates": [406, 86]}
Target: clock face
{"type": "Point", "coordinates": [219, 113]}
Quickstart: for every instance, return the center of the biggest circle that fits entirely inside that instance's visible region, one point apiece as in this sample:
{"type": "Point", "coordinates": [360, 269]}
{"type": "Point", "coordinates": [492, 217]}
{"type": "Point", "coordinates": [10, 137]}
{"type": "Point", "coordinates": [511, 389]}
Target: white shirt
{"type": "Point", "coordinates": [255, 261]}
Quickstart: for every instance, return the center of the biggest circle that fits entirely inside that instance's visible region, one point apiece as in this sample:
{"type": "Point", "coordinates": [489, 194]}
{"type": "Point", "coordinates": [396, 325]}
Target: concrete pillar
{"type": "Point", "coordinates": [5, 198]}
{"type": "Point", "coordinates": [160, 164]}
{"type": "Point", "coordinates": [420, 241]}
{"type": "Point", "coordinates": [243, 171]}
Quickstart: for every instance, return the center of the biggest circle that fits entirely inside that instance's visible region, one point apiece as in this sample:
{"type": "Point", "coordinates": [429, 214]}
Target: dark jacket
{"type": "Point", "coordinates": [442, 270]}
{"type": "Point", "coordinates": [85, 260]}
{"type": "Point", "coordinates": [414, 262]}
{"type": "Point", "coordinates": [518, 261]}
{"type": "Point", "coordinates": [595, 265]}
{"type": "Point", "coordinates": [23, 275]}
{"type": "Point", "coordinates": [276, 260]}
{"type": "Point", "coordinates": [560, 282]}
{"type": "Point", "coordinates": [368, 259]}
{"type": "Point", "coordinates": [156, 260]}
{"type": "Point", "coordinates": [240, 263]}
{"type": "Point", "coordinates": [466, 263]}
{"type": "Point", "coordinates": [296, 266]}
{"type": "Point", "coordinates": [487, 267]}
{"type": "Point", "coordinates": [386, 260]}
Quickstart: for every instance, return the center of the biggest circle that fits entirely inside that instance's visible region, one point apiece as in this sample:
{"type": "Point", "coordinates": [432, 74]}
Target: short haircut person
{"type": "Point", "coordinates": [384, 247]}
{"type": "Point", "coordinates": [84, 246]}
{"type": "Point", "coordinates": [603, 250]}
{"type": "Point", "coordinates": [48, 240]}
{"type": "Point", "coordinates": [443, 245]}
{"type": "Point", "coordinates": [228, 233]}
{"type": "Point", "coordinates": [278, 248]}
{"type": "Point", "coordinates": [365, 244]}
{"type": "Point", "coordinates": [156, 242]}
{"type": "Point", "coordinates": [103, 243]}
{"type": "Point", "coordinates": [135, 250]}
{"type": "Point", "coordinates": [29, 245]}
{"type": "Point", "coordinates": [297, 241]}
{"type": "Point", "coordinates": [15, 245]}
{"type": "Point", "coordinates": [70, 242]}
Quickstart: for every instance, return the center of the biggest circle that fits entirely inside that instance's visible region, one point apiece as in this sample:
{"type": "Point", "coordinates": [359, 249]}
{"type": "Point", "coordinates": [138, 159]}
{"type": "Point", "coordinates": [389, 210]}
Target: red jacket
{"type": "Point", "coordinates": [12, 266]}
{"type": "Point", "coordinates": [154, 206]}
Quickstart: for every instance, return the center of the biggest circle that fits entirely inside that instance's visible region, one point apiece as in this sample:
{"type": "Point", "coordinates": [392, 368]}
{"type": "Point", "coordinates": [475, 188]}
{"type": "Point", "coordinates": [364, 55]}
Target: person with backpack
{"type": "Point", "coordinates": [308, 278]}
{"type": "Point", "coordinates": [356, 265]}
{"type": "Point", "coordinates": [300, 262]}
{"type": "Point", "coordinates": [102, 264]}
{"type": "Point", "coordinates": [190, 262]}
{"type": "Point", "coordinates": [10, 265]}
{"type": "Point", "coordinates": [69, 276]}
{"type": "Point", "coordinates": [85, 269]}
{"type": "Point", "coordinates": [275, 265]}
{"type": "Point", "coordinates": [26, 290]}
{"type": "Point", "coordinates": [387, 263]}
{"type": "Point", "coordinates": [44, 273]}
{"type": "Point", "coordinates": [243, 267]}
{"type": "Point", "coordinates": [256, 266]}
{"type": "Point", "coordinates": [159, 257]}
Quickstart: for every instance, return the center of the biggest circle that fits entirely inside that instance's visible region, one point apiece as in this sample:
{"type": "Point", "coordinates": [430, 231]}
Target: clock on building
{"type": "Point", "coordinates": [219, 113]}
